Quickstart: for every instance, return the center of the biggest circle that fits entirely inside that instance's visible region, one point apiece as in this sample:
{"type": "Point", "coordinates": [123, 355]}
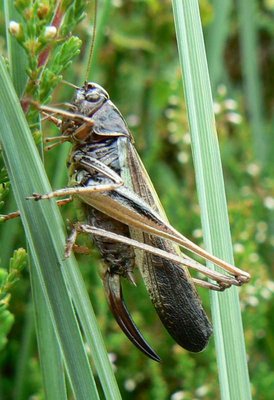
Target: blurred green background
{"type": "Point", "coordinates": [136, 60]}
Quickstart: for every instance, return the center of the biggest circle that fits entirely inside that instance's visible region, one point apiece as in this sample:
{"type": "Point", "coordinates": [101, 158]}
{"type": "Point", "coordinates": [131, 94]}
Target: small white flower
{"type": "Point", "coordinates": [180, 395]}
{"type": "Point", "coordinates": [172, 127]}
{"type": "Point", "coordinates": [270, 285]}
{"type": "Point", "coordinates": [253, 301]}
{"type": "Point", "coordinates": [117, 3]}
{"type": "Point", "coordinates": [50, 32]}
{"type": "Point", "coordinates": [269, 202]}
{"type": "Point", "coordinates": [187, 138]}
{"type": "Point", "coordinates": [173, 137]}
{"type": "Point", "coordinates": [130, 385]}
{"type": "Point", "coordinates": [202, 391]}
{"type": "Point", "coordinates": [197, 233]}
{"type": "Point", "coordinates": [183, 157]}
{"type": "Point", "coordinates": [170, 113]}
{"type": "Point", "coordinates": [112, 357]}
{"type": "Point", "coordinates": [254, 257]}
{"type": "Point", "coordinates": [173, 100]}
{"type": "Point", "coordinates": [238, 248]}
{"type": "Point", "coordinates": [230, 104]}
{"type": "Point", "coordinates": [234, 118]}
{"type": "Point", "coordinates": [14, 28]}
{"type": "Point", "coordinates": [217, 108]}
{"type": "Point", "coordinates": [253, 169]}
{"type": "Point", "coordinates": [222, 90]}
{"type": "Point", "coordinates": [266, 293]}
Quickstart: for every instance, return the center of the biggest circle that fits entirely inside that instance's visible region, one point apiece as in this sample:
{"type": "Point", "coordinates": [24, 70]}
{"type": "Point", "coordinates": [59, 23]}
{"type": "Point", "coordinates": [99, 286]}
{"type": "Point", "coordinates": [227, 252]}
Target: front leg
{"type": "Point", "coordinates": [75, 190]}
{"type": "Point", "coordinates": [89, 164]}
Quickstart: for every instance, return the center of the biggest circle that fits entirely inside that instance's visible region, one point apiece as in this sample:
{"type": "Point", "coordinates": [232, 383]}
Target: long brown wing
{"type": "Point", "coordinates": [170, 286]}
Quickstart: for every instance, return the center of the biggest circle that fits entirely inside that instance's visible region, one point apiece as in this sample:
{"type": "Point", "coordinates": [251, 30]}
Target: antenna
{"type": "Point", "coordinates": [69, 84]}
{"type": "Point", "coordinates": [92, 40]}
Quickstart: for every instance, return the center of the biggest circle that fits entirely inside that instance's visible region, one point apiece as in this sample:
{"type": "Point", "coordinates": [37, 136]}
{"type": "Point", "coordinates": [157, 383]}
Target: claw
{"type": "Point", "coordinates": [119, 310]}
{"type": "Point", "coordinates": [130, 277]}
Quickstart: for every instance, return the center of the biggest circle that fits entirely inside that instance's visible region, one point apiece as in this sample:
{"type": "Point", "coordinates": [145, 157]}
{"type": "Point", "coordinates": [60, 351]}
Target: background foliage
{"type": "Point", "coordinates": [136, 60]}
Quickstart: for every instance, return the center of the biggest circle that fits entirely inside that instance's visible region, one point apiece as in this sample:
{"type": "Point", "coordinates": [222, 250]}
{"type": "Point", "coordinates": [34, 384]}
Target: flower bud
{"type": "Point", "coordinates": [14, 28]}
{"type": "Point", "coordinates": [50, 32]}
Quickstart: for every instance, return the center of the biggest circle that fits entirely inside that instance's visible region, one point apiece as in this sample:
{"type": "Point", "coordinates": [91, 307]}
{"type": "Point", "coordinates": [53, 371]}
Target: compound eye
{"type": "Point", "coordinates": [92, 97]}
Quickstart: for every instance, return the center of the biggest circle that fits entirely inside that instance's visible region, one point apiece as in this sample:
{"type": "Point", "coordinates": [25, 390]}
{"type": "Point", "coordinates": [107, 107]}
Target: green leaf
{"type": "Point", "coordinates": [228, 330]}
{"type": "Point", "coordinates": [17, 56]}
{"type": "Point", "coordinates": [252, 80]}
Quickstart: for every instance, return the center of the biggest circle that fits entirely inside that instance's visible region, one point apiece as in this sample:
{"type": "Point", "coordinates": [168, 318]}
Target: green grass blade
{"type": "Point", "coordinates": [230, 348]}
{"type": "Point", "coordinates": [216, 36]}
{"type": "Point", "coordinates": [51, 361]}
{"type": "Point", "coordinates": [17, 63]}
{"type": "Point", "coordinates": [16, 54]}
{"type": "Point", "coordinates": [251, 76]}
{"type": "Point", "coordinates": [43, 228]}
